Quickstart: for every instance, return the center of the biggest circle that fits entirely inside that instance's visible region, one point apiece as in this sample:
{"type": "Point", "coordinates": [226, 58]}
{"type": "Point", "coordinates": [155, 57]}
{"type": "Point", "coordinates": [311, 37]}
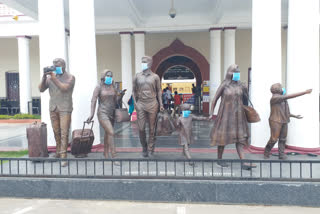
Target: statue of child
{"type": "Point", "coordinates": [184, 124]}
{"type": "Point", "coordinates": [279, 118]}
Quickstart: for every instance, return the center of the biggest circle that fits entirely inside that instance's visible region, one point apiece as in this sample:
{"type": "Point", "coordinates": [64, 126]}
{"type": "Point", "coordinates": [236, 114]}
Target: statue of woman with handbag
{"type": "Point", "coordinates": [231, 125]}
{"type": "Point", "coordinates": [108, 98]}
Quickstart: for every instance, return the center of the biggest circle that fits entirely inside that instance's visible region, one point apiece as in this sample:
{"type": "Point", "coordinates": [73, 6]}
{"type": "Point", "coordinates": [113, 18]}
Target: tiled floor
{"type": "Point", "coordinates": [13, 137]}
{"type": "Point", "coordinates": [129, 136]}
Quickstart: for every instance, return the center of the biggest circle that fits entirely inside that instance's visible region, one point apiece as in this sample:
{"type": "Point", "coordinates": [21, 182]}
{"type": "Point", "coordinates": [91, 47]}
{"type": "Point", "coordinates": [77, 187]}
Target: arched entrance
{"type": "Point", "coordinates": [178, 53]}
{"type": "Point", "coordinates": [177, 48]}
{"type": "Point", "coordinates": [182, 61]}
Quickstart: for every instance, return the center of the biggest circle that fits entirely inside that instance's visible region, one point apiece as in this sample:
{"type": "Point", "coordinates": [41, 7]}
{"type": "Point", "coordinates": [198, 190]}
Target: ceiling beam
{"type": "Point", "coordinates": [217, 12]}
{"type": "Point", "coordinates": [19, 28]}
{"type": "Point", "coordinates": [134, 14]}
{"type": "Point", "coordinates": [21, 8]}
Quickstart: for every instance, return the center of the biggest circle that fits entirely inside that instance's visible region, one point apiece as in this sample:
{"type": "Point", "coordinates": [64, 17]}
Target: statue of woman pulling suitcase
{"type": "Point", "coordinates": [108, 97]}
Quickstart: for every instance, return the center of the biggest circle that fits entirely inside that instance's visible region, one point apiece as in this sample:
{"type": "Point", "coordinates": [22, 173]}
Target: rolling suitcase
{"type": "Point", "coordinates": [37, 140]}
{"type": "Point", "coordinates": [82, 140]}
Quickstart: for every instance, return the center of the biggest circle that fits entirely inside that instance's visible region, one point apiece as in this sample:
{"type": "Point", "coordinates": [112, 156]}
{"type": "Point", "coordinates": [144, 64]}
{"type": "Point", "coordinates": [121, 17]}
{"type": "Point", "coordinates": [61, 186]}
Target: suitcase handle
{"type": "Point", "coordinates": [84, 124]}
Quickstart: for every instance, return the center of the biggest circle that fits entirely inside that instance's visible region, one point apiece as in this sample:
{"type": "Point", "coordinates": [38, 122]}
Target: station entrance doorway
{"type": "Point", "coordinates": [179, 66]}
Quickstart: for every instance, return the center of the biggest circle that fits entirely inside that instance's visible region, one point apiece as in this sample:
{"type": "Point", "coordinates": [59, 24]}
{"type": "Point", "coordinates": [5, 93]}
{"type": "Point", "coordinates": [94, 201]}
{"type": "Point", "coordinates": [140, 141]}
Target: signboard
{"type": "Point", "coordinates": [206, 99]}
{"type": "Point", "coordinates": [206, 83]}
{"type": "Point", "coordinates": [188, 98]}
{"type": "Point", "coordinates": [206, 89]}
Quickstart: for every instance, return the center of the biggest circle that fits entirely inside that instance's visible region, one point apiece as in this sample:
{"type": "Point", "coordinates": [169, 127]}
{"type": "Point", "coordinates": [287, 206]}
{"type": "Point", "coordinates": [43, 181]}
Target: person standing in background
{"type": "Point", "coordinates": [177, 103]}
{"type": "Point", "coordinates": [131, 105]}
{"type": "Point", "coordinates": [165, 100]}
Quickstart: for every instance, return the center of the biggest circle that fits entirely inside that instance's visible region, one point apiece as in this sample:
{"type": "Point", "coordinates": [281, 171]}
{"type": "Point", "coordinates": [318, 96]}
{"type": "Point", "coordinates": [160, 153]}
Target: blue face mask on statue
{"type": "Point", "coordinates": [144, 66]}
{"type": "Point", "coordinates": [108, 81]}
{"type": "Point", "coordinates": [236, 77]}
{"type": "Point", "coordinates": [284, 91]}
{"type": "Point", "coordinates": [58, 70]}
{"type": "Point", "coordinates": [186, 113]}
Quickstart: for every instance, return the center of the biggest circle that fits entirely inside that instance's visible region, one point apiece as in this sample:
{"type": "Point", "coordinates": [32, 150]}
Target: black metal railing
{"type": "Point", "coordinates": [289, 170]}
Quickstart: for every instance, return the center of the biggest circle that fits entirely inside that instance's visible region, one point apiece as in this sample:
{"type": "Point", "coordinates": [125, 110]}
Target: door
{"type": "Point", "coordinates": [12, 80]}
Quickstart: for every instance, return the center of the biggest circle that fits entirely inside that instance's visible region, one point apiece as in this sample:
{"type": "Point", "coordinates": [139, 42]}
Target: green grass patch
{"type": "Point", "coordinates": [26, 116]}
{"type": "Point", "coordinates": [4, 117]}
{"type": "Point", "coordinates": [13, 154]}
{"type": "Point", "coordinates": [20, 116]}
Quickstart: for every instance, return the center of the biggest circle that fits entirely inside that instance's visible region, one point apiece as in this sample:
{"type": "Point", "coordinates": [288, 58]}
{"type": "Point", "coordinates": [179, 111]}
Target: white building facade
{"type": "Point", "coordinates": [96, 35]}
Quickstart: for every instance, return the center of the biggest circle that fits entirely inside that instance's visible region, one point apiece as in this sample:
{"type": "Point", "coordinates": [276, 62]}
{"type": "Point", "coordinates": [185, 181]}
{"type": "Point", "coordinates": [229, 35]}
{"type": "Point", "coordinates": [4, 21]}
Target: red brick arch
{"type": "Point", "coordinates": [177, 48]}
{"type": "Point", "coordinates": [201, 67]}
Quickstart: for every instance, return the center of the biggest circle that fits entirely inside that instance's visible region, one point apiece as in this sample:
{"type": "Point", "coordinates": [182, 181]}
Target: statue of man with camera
{"type": "Point", "coordinates": [60, 84]}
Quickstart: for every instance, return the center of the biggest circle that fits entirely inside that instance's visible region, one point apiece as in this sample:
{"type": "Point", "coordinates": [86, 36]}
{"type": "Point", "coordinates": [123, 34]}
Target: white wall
{"type": "Point", "coordinates": [9, 62]}
{"type": "Point", "coordinates": [109, 53]}
{"type": "Point", "coordinates": [243, 52]}
{"type": "Point", "coordinates": [34, 66]}
{"type": "Point", "coordinates": [284, 57]}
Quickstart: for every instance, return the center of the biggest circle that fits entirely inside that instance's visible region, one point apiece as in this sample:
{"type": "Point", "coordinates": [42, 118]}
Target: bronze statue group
{"type": "Point", "coordinates": [230, 125]}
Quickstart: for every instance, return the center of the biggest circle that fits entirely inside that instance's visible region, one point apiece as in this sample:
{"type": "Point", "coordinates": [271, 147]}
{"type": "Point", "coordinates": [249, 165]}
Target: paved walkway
{"type": "Point", "coordinates": [13, 136]}
{"type": "Point", "coordinates": [40, 206]}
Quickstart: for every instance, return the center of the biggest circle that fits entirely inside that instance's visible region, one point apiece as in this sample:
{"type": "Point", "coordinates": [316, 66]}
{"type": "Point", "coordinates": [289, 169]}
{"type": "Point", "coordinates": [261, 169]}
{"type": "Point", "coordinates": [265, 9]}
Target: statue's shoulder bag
{"type": "Point", "coordinates": [251, 114]}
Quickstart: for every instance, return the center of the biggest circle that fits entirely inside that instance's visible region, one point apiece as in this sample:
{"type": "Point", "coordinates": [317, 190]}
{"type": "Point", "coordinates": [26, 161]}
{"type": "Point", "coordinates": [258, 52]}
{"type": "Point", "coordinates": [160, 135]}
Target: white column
{"type": "Point", "coordinates": [229, 47]}
{"type": "Point", "coordinates": [138, 49]}
{"type": "Point", "coordinates": [126, 64]}
{"type": "Point", "coordinates": [266, 63]}
{"type": "Point", "coordinates": [303, 72]}
{"type": "Point", "coordinates": [215, 64]}
{"type": "Point", "coordinates": [24, 73]}
{"type": "Point", "coordinates": [52, 44]}
{"type": "Point", "coordinates": [83, 62]}
{"type": "Point", "coordinates": [67, 35]}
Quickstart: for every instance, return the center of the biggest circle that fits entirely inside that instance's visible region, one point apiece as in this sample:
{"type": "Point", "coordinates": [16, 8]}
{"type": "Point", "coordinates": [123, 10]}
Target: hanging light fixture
{"type": "Point", "coordinates": [172, 11]}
